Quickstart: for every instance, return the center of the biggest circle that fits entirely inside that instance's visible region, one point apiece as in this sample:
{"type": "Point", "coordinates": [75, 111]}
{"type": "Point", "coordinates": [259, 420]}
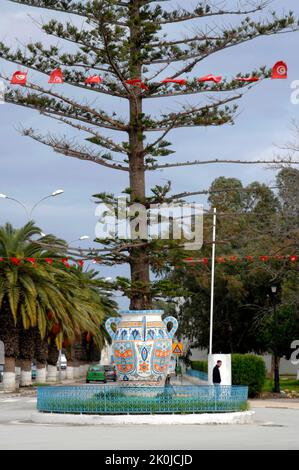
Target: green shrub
{"type": "Point", "coordinates": [248, 369]}
{"type": "Point", "coordinates": [200, 365]}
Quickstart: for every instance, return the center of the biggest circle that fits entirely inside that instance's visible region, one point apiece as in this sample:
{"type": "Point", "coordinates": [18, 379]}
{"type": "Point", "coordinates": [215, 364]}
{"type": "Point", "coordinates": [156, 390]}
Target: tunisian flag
{"type": "Point", "coordinates": [19, 78]}
{"type": "Point", "coordinates": [247, 79]}
{"type": "Point", "coordinates": [93, 80]}
{"type": "Point", "coordinates": [210, 78]}
{"type": "Point", "coordinates": [56, 76]}
{"type": "Point", "coordinates": [280, 71]}
{"type": "Point", "coordinates": [137, 82]}
{"type": "Point", "coordinates": [178, 81]}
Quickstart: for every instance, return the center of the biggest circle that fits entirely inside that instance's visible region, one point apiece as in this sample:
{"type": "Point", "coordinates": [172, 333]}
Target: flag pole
{"type": "Point", "coordinates": [213, 280]}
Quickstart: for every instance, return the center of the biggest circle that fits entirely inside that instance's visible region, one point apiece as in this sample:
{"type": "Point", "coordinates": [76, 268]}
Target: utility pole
{"type": "Point", "coordinates": [213, 280]}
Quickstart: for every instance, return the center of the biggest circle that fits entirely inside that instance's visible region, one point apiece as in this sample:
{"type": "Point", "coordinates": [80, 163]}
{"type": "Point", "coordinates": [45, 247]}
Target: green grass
{"type": "Point", "coordinates": [286, 383]}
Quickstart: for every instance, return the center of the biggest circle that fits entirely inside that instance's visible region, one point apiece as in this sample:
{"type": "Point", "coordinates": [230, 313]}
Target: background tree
{"type": "Point", "coordinates": [130, 40]}
{"type": "Point", "coordinates": [253, 221]}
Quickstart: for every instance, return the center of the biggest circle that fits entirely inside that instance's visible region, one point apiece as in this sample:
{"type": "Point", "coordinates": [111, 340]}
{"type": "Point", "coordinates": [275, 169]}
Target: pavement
{"type": "Point", "coordinates": [275, 426]}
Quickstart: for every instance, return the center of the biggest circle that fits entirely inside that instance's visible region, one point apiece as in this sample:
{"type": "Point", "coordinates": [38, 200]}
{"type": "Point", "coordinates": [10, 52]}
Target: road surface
{"type": "Point", "coordinates": [274, 427]}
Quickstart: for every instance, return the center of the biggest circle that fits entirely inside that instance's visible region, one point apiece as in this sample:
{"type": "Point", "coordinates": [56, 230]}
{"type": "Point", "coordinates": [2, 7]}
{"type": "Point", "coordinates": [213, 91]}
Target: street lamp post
{"type": "Point", "coordinates": [54, 194]}
{"type": "Point", "coordinates": [275, 349]}
{"type": "Point", "coordinates": [4, 196]}
{"type": "Point", "coordinates": [83, 237]}
{"type": "Point", "coordinates": [29, 212]}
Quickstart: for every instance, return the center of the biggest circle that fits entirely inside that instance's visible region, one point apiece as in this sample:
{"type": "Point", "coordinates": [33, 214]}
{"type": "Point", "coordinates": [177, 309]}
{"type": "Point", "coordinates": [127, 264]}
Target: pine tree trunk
{"type": "Point", "coordinates": [139, 263]}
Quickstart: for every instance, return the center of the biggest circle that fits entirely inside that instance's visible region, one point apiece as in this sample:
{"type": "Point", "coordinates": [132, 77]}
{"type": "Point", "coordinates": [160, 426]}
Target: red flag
{"type": "Point", "coordinates": [15, 261]}
{"type": "Point", "coordinates": [81, 263]}
{"type": "Point", "coordinates": [293, 258]}
{"type": "Point", "coordinates": [93, 80]}
{"type": "Point", "coordinates": [205, 262]}
{"type": "Point", "coordinates": [65, 261]}
{"type": "Point", "coordinates": [221, 260]}
{"type": "Point", "coordinates": [19, 78]}
{"type": "Point", "coordinates": [31, 260]}
{"type": "Point", "coordinates": [249, 258]}
{"type": "Point", "coordinates": [247, 79]}
{"type": "Point", "coordinates": [133, 81]}
{"type": "Point", "coordinates": [210, 78]}
{"type": "Point", "coordinates": [279, 257]}
{"type": "Point", "coordinates": [233, 258]}
{"type": "Point", "coordinates": [178, 81]}
{"type": "Point", "coordinates": [56, 76]}
{"type": "Point", "coordinates": [50, 315]}
{"type": "Point", "coordinates": [56, 328]}
{"type": "Point", "coordinates": [280, 71]}
{"type": "Point", "coordinates": [264, 258]}
{"type": "Point", "coordinates": [1, 259]}
{"type": "Point", "coordinates": [49, 260]}
{"type": "Point", "coordinates": [137, 82]}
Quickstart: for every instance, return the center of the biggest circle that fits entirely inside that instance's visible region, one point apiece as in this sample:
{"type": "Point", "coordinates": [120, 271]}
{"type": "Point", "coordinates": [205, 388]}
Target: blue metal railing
{"type": "Point", "coordinates": [198, 374]}
{"type": "Point", "coordinates": [106, 399]}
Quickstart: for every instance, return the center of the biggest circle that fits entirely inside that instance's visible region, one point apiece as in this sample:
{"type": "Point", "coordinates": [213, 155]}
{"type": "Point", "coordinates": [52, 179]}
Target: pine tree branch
{"type": "Point", "coordinates": [203, 11]}
{"type": "Point", "coordinates": [105, 120]}
{"type": "Point", "coordinates": [100, 139]}
{"type": "Point", "coordinates": [152, 146]}
{"type": "Point", "coordinates": [70, 149]}
{"type": "Point", "coordinates": [217, 161]}
{"type": "Point", "coordinates": [73, 78]}
{"type": "Point", "coordinates": [66, 6]}
{"type": "Point", "coordinates": [248, 31]}
{"type": "Point", "coordinates": [184, 118]}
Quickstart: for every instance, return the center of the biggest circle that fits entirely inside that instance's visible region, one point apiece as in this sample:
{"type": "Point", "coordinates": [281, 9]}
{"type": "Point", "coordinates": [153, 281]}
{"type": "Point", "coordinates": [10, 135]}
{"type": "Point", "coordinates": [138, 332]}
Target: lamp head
{"type": "Point", "coordinates": [273, 289]}
{"type": "Point", "coordinates": [84, 237]}
{"type": "Point", "coordinates": [3, 196]}
{"type": "Point", "coordinates": [57, 192]}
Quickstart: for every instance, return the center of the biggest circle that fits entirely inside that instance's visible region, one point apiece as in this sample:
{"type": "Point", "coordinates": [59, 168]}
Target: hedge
{"type": "Point", "coordinates": [200, 365]}
{"type": "Point", "coordinates": [247, 369]}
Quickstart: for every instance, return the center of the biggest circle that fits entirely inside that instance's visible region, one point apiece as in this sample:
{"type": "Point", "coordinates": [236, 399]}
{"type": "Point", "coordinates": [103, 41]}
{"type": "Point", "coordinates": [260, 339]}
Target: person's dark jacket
{"type": "Point", "coordinates": [216, 375]}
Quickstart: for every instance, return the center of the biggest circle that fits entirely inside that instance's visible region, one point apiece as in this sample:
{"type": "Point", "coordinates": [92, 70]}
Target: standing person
{"type": "Point", "coordinates": [216, 373]}
{"type": "Point", "coordinates": [217, 379]}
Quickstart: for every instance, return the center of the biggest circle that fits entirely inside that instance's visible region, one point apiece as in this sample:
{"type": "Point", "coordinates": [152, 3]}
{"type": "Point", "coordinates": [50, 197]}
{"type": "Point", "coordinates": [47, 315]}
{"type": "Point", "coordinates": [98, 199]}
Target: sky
{"type": "Point", "coordinates": [29, 170]}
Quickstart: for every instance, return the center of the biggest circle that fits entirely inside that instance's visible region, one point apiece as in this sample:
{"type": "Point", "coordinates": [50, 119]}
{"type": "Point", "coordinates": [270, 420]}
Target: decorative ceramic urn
{"type": "Point", "coordinates": [142, 346]}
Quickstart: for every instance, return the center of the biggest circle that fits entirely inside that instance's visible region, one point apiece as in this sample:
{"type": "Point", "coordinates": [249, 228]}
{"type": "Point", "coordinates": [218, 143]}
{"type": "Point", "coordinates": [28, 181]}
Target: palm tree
{"type": "Point", "coordinates": [57, 302]}
{"type": "Point", "coordinates": [16, 292]}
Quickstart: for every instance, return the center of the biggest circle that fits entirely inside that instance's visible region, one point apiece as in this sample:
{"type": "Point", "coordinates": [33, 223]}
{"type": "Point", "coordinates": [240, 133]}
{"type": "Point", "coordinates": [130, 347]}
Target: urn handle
{"type": "Point", "coordinates": [108, 324]}
{"type": "Point", "coordinates": [174, 325]}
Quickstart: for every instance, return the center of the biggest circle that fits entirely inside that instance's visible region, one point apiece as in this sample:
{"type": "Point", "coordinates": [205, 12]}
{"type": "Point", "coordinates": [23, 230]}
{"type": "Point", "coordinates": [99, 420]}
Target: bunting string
{"type": "Point", "coordinates": [238, 259]}
{"type": "Point", "coordinates": [279, 72]}
{"type": "Point", "coordinates": [68, 262]}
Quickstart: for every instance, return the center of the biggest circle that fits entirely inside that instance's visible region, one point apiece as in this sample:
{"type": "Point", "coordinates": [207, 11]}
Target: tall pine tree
{"type": "Point", "coordinates": [130, 40]}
